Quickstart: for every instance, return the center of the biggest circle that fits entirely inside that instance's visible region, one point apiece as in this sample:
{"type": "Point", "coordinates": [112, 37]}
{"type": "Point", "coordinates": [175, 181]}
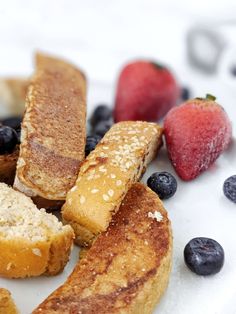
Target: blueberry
{"type": "Point", "coordinates": [8, 139]}
{"type": "Point", "coordinates": [185, 93]}
{"type": "Point", "coordinates": [204, 256]}
{"type": "Point", "coordinates": [229, 188]}
{"type": "Point", "coordinates": [13, 122]}
{"type": "Point", "coordinates": [163, 183]}
{"type": "Point", "coordinates": [101, 113]}
{"type": "Point", "coordinates": [102, 127]}
{"type": "Point", "coordinates": [91, 142]}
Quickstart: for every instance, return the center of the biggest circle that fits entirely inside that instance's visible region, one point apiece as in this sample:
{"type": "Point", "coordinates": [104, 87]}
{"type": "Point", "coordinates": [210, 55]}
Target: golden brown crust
{"type": "Point", "coordinates": [7, 305]}
{"type": "Point", "coordinates": [106, 175]}
{"type": "Point", "coordinates": [8, 166]}
{"type": "Point", "coordinates": [53, 129]}
{"type": "Point", "coordinates": [127, 268]}
{"type": "Point", "coordinates": [22, 258]}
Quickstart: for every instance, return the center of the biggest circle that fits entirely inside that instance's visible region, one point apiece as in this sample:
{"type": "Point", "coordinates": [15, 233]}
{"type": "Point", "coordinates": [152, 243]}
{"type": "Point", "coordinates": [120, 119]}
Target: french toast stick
{"type": "Point", "coordinates": [53, 130]}
{"type": "Point", "coordinates": [126, 270]}
{"type": "Point", "coordinates": [106, 175]}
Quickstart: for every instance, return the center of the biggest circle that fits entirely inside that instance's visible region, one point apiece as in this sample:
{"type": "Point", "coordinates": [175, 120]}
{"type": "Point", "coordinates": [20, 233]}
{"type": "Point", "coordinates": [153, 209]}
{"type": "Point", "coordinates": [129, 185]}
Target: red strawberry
{"type": "Point", "coordinates": [145, 91]}
{"type": "Point", "coordinates": [196, 133]}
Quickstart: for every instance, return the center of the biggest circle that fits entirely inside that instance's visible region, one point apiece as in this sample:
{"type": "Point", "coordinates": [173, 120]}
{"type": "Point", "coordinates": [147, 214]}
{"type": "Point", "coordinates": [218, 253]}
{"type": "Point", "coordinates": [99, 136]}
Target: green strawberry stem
{"type": "Point", "coordinates": [158, 65]}
{"type": "Point", "coordinates": [208, 97]}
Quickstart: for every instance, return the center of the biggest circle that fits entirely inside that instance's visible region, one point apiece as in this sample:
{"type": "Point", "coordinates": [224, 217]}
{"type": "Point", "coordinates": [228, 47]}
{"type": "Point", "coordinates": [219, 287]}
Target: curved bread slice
{"type": "Point", "coordinates": [107, 174]}
{"type": "Point", "coordinates": [7, 305]}
{"type": "Point", "coordinates": [33, 241]}
{"type": "Point", "coordinates": [127, 268]}
{"type": "Point", "coordinates": [53, 130]}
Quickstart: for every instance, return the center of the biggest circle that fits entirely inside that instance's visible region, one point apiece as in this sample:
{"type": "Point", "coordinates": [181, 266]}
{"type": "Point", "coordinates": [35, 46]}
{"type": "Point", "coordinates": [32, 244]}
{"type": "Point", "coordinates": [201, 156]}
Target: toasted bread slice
{"type": "Point", "coordinates": [7, 305]}
{"type": "Point", "coordinates": [53, 130]}
{"type": "Point", "coordinates": [107, 174]}
{"type": "Point", "coordinates": [33, 241]}
{"type": "Point", "coordinates": [12, 96]}
{"type": "Point", "coordinates": [127, 268]}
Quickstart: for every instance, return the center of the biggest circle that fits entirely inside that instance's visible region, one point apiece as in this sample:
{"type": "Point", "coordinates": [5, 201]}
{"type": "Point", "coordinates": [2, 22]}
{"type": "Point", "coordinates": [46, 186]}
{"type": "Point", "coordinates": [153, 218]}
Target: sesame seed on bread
{"type": "Point", "coordinates": [33, 241]}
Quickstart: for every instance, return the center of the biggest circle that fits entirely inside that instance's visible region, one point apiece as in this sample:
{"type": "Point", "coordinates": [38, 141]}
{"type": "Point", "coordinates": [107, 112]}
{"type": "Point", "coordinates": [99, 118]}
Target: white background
{"type": "Point", "coordinates": [101, 36]}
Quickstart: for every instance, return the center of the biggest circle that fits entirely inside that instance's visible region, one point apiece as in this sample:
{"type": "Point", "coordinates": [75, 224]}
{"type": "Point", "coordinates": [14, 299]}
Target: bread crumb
{"type": "Point", "coordinates": [156, 215]}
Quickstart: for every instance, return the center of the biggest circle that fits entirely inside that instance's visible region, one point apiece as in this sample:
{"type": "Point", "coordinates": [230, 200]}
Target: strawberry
{"type": "Point", "coordinates": [145, 91]}
{"type": "Point", "coordinates": [196, 133]}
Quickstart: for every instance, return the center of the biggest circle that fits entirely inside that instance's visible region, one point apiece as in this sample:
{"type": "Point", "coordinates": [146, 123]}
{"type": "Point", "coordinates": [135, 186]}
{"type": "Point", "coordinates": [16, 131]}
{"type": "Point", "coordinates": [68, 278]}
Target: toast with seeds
{"type": "Point", "coordinates": [127, 268]}
{"type": "Point", "coordinates": [7, 305]}
{"type": "Point", "coordinates": [53, 130]}
{"type": "Point", "coordinates": [106, 175]}
{"type": "Point", "coordinates": [33, 242]}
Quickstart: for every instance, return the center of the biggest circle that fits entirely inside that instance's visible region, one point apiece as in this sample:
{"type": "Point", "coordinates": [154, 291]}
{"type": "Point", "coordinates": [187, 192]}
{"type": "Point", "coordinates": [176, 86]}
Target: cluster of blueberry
{"type": "Point", "coordinates": [10, 129]}
{"type": "Point", "coordinates": [100, 121]}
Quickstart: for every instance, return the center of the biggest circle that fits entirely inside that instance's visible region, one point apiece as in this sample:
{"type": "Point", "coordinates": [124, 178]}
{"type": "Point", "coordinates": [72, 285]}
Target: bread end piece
{"type": "Point", "coordinates": [33, 242]}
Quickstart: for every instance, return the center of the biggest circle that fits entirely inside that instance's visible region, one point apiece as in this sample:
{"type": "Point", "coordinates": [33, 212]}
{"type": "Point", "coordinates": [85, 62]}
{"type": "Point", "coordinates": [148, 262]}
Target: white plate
{"type": "Point", "coordinates": [198, 208]}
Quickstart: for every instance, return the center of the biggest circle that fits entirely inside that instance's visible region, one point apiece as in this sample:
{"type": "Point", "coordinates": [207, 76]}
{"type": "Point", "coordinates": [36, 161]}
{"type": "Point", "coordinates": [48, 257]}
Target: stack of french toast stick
{"type": "Point", "coordinates": [121, 222]}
